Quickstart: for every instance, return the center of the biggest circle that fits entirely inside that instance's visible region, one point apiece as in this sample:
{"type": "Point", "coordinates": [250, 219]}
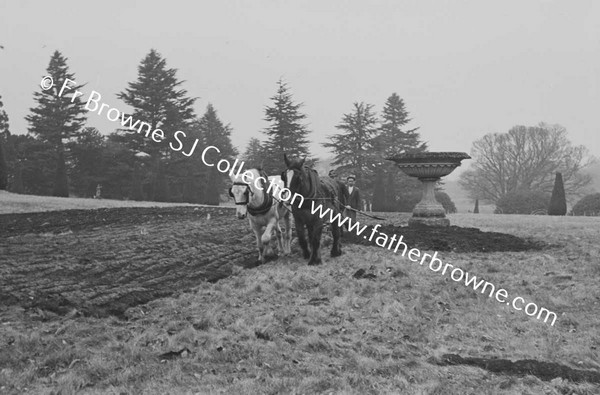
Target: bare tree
{"type": "Point", "coordinates": [524, 158]}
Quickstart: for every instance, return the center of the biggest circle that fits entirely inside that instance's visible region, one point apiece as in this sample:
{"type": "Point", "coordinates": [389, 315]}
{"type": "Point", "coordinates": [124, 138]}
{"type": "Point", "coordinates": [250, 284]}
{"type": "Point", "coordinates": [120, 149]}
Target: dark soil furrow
{"type": "Point", "coordinates": [135, 256]}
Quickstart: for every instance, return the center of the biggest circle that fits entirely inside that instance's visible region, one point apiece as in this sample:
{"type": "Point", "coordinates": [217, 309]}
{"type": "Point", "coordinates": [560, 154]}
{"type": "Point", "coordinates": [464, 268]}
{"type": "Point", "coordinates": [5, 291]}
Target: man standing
{"type": "Point", "coordinates": [353, 198]}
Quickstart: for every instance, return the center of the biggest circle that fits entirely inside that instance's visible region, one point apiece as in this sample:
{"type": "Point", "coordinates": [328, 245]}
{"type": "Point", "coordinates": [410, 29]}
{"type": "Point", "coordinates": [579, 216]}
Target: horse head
{"type": "Point", "coordinates": [241, 191]}
{"type": "Point", "coordinates": [249, 192]}
{"type": "Point", "coordinates": [299, 178]}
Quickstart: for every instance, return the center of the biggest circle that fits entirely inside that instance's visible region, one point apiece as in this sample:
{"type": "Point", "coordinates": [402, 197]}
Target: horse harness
{"type": "Point", "coordinates": [312, 180]}
{"type": "Point", "coordinates": [264, 207]}
{"type": "Point", "coordinates": [313, 193]}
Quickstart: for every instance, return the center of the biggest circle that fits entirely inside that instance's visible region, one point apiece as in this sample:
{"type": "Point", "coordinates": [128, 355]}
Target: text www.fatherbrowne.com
{"type": "Point", "coordinates": [394, 243]}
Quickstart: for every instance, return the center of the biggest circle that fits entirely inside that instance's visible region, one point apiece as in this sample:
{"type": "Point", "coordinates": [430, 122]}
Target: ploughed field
{"type": "Point", "coordinates": [103, 261]}
{"type": "Point", "coordinates": [170, 300]}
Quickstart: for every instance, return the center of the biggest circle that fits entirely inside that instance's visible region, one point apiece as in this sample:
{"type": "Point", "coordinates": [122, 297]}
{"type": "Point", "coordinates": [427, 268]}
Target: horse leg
{"type": "Point", "coordinates": [279, 233]}
{"type": "Point", "coordinates": [287, 236]}
{"type": "Point", "coordinates": [336, 232]}
{"type": "Point", "coordinates": [259, 244]}
{"type": "Point", "coordinates": [314, 233]}
{"type": "Point", "coordinates": [266, 238]}
{"type": "Point", "coordinates": [302, 238]}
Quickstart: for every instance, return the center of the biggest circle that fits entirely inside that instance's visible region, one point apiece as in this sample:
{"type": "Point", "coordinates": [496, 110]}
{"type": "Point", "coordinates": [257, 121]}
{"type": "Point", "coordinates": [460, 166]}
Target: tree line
{"type": "Point", "coordinates": [360, 148]}
{"type": "Point", "coordinates": [61, 156]}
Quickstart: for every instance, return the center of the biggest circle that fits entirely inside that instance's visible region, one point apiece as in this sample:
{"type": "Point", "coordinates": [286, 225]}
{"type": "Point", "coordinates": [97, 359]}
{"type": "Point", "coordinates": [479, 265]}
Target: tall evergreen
{"type": "Point", "coordinates": [254, 154]}
{"type": "Point", "coordinates": [157, 99]}
{"type": "Point", "coordinates": [354, 145]}
{"type": "Point", "coordinates": [395, 138]}
{"type": "Point", "coordinates": [215, 133]}
{"type": "Point", "coordinates": [287, 133]}
{"type": "Point", "coordinates": [4, 141]}
{"type": "Point", "coordinates": [558, 201]}
{"type": "Point", "coordinates": [476, 209]}
{"type": "Point", "coordinates": [56, 119]}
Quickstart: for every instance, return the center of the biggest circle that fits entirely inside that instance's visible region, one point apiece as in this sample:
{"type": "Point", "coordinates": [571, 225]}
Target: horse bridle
{"type": "Point", "coordinates": [246, 193]}
{"type": "Point", "coordinates": [301, 175]}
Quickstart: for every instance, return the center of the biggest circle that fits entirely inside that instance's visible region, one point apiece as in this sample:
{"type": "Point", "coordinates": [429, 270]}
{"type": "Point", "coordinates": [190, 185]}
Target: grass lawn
{"type": "Point", "coordinates": [285, 327]}
{"type": "Point", "coordinates": [15, 203]}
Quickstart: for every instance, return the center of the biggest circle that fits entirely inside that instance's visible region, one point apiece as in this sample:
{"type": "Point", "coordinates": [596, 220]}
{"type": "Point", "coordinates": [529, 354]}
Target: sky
{"type": "Point", "coordinates": [463, 68]}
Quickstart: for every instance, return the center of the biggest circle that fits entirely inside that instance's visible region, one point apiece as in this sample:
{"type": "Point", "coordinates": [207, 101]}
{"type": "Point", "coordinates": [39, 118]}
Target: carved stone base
{"type": "Point", "coordinates": [429, 209]}
{"type": "Point", "coordinates": [431, 221]}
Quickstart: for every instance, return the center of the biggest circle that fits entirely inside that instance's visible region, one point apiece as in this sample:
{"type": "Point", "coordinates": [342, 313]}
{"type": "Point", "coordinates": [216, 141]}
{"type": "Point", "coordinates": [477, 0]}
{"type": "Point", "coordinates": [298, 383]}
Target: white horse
{"type": "Point", "coordinates": [253, 192]}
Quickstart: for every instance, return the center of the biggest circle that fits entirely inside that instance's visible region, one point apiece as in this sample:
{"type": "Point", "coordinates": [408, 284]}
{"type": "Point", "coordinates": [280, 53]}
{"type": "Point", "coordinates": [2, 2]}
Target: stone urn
{"type": "Point", "coordinates": [429, 168]}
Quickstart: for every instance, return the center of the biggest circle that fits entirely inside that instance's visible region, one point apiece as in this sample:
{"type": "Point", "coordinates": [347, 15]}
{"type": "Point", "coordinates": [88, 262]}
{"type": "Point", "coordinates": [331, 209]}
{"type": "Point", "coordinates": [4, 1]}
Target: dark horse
{"type": "Point", "coordinates": [316, 191]}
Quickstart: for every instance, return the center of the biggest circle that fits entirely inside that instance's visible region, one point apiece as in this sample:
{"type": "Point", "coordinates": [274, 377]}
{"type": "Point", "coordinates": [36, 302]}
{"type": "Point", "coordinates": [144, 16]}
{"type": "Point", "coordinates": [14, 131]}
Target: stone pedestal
{"type": "Point", "coordinates": [429, 168]}
{"type": "Point", "coordinates": [429, 211]}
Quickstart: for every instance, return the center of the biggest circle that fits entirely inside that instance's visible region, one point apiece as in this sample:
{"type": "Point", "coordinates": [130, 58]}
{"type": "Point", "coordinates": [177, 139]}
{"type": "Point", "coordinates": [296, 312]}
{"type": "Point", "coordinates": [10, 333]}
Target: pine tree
{"type": "Point", "coordinates": [476, 209]}
{"type": "Point", "coordinates": [4, 141]}
{"type": "Point", "coordinates": [3, 121]}
{"type": "Point", "coordinates": [393, 119]}
{"type": "Point", "coordinates": [354, 146]}
{"type": "Point", "coordinates": [57, 119]}
{"type": "Point", "coordinates": [287, 133]}
{"type": "Point", "coordinates": [254, 155]}
{"type": "Point", "coordinates": [215, 133]}
{"type": "Point", "coordinates": [158, 100]}
{"type": "Point", "coordinates": [558, 201]}
{"type": "Point", "coordinates": [395, 139]}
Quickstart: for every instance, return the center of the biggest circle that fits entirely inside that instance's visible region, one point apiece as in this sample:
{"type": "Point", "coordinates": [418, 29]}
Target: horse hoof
{"type": "Point", "coordinates": [336, 253]}
{"type": "Point", "coordinates": [314, 263]}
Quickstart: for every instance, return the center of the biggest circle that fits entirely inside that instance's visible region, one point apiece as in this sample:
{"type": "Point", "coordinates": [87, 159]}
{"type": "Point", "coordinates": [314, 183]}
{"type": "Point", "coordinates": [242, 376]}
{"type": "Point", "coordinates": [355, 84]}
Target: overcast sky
{"type": "Point", "coordinates": [463, 68]}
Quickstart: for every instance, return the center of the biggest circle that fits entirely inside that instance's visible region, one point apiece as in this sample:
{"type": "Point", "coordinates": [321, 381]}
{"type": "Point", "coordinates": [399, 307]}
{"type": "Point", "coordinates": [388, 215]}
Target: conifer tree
{"type": "Point", "coordinates": [558, 201]}
{"type": "Point", "coordinates": [217, 134]}
{"type": "Point", "coordinates": [287, 133]}
{"type": "Point", "coordinates": [394, 118]}
{"type": "Point", "coordinates": [254, 154]}
{"type": "Point", "coordinates": [157, 99]}
{"type": "Point", "coordinates": [4, 141]}
{"type": "Point", "coordinates": [476, 209]}
{"type": "Point", "coordinates": [395, 139]}
{"type": "Point", "coordinates": [56, 119]}
{"type": "Point", "coordinates": [354, 146]}
{"type": "Point", "coordinates": [3, 120]}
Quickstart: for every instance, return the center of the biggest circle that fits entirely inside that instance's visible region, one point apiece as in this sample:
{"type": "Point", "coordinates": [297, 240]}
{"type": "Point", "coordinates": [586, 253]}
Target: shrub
{"type": "Point", "coordinates": [588, 205]}
{"type": "Point", "coordinates": [522, 202]}
{"type": "Point", "coordinates": [558, 201]}
{"type": "Point", "coordinates": [445, 200]}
